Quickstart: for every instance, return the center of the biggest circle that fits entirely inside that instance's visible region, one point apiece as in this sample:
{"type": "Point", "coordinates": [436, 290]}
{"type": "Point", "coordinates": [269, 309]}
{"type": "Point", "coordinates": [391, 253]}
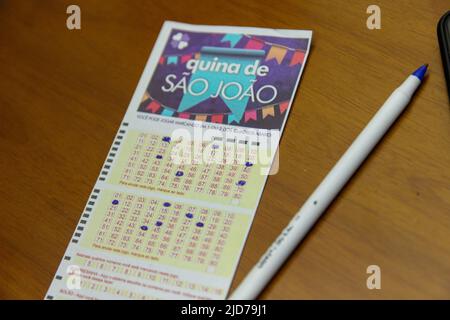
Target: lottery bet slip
{"type": "Point", "coordinates": [174, 201]}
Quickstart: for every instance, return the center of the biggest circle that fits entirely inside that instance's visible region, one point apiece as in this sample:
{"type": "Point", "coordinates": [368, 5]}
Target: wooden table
{"type": "Point", "coordinates": [63, 94]}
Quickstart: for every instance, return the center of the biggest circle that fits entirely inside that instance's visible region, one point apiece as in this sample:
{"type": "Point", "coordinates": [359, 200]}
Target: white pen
{"type": "Point", "coordinates": [327, 190]}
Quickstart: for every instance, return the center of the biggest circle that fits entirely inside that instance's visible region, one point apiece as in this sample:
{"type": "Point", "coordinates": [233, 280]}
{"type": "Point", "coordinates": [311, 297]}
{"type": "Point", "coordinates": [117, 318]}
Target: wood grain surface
{"type": "Point", "coordinates": [63, 94]}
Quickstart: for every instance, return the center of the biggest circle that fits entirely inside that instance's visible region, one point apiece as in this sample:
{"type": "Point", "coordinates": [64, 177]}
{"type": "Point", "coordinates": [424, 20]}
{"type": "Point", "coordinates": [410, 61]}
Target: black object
{"type": "Point", "coordinates": [443, 31]}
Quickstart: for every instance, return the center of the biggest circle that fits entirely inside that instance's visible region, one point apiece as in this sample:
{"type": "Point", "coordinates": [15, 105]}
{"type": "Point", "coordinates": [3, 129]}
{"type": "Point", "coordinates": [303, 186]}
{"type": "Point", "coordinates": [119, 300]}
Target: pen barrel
{"type": "Point", "coordinates": [361, 147]}
{"type": "Point", "coordinates": [327, 190]}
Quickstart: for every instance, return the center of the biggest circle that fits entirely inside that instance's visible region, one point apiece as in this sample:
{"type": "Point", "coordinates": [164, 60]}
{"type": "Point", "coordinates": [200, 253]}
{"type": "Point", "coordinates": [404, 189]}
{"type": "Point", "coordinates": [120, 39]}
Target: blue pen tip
{"type": "Point", "coordinates": [420, 73]}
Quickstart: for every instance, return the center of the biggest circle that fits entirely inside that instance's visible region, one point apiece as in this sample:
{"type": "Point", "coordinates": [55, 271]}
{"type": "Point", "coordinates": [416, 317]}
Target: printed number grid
{"type": "Point", "coordinates": [159, 230]}
{"type": "Point", "coordinates": [150, 164]}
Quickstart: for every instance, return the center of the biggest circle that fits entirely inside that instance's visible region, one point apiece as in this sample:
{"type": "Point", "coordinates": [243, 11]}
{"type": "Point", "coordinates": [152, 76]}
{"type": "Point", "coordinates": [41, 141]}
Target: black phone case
{"type": "Point", "coordinates": [443, 31]}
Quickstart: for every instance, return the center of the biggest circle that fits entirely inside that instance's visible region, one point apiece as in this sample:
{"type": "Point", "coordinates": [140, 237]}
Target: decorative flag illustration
{"type": "Point", "coordinates": [172, 60]}
{"type": "Point", "coordinates": [217, 118]}
{"type": "Point", "coordinates": [268, 111]}
{"type": "Point", "coordinates": [297, 57]}
{"type": "Point", "coordinates": [184, 115]}
{"type": "Point", "coordinates": [145, 96]}
{"type": "Point", "coordinates": [167, 112]}
{"type": "Point", "coordinates": [254, 44]}
{"type": "Point", "coordinates": [242, 57]}
{"type": "Point", "coordinates": [201, 117]}
{"type": "Point", "coordinates": [232, 118]}
{"type": "Point", "coordinates": [284, 106]}
{"type": "Point", "coordinates": [186, 58]}
{"type": "Point", "coordinates": [276, 53]}
{"type": "Point", "coordinates": [153, 106]}
{"type": "Point", "coordinates": [250, 115]}
{"type": "Point", "coordinates": [233, 38]}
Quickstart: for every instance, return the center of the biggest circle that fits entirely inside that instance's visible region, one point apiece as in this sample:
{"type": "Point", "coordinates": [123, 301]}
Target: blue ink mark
{"type": "Point", "coordinates": [248, 164]}
{"type": "Point", "coordinates": [166, 139]}
{"type": "Point", "coordinates": [199, 224]}
{"type": "Point", "coordinates": [189, 215]}
{"type": "Point", "coordinates": [241, 183]}
{"type": "Point", "coordinates": [115, 202]}
{"type": "Point", "coordinates": [158, 223]}
{"type": "Point", "coordinates": [145, 228]}
{"type": "Point", "coordinates": [159, 156]}
{"type": "Point", "coordinates": [179, 173]}
{"type": "Point", "coordinates": [166, 204]}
